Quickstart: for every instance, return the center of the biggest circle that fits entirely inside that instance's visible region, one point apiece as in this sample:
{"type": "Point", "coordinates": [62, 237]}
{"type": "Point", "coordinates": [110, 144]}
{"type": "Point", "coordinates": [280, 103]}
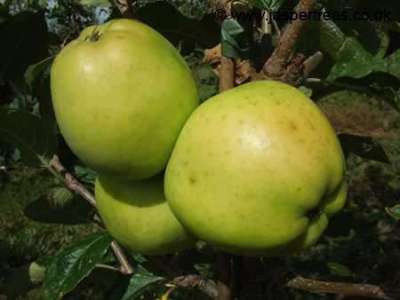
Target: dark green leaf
{"type": "Point", "coordinates": [95, 2]}
{"type": "Point", "coordinates": [85, 174]}
{"type": "Point", "coordinates": [33, 136]}
{"type": "Point", "coordinates": [24, 42]}
{"type": "Point", "coordinates": [393, 64]}
{"type": "Point", "coordinates": [384, 44]}
{"type": "Point", "coordinates": [204, 76]}
{"type": "Point", "coordinates": [386, 86]}
{"type": "Point", "coordinates": [185, 33]}
{"type": "Point", "coordinates": [352, 59]}
{"type": "Point", "coordinates": [365, 147]}
{"type": "Point", "coordinates": [355, 62]}
{"type": "Point", "coordinates": [394, 212]}
{"type": "Point", "coordinates": [234, 40]}
{"type": "Point", "coordinates": [33, 72]}
{"type": "Point", "coordinates": [392, 96]}
{"type": "Point", "coordinates": [4, 15]}
{"type": "Point", "coordinates": [331, 38]}
{"type": "Point", "coordinates": [270, 5]}
{"type": "Point", "coordinates": [339, 269]}
{"type": "Point", "coordinates": [139, 282]}
{"type": "Point", "coordinates": [73, 264]}
{"type": "Point", "coordinates": [382, 85]}
{"type": "Point", "coordinates": [192, 9]}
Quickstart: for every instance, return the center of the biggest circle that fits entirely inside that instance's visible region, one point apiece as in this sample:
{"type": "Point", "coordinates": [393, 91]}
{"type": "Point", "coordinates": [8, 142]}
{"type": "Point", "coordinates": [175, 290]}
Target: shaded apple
{"type": "Point", "coordinates": [137, 215]}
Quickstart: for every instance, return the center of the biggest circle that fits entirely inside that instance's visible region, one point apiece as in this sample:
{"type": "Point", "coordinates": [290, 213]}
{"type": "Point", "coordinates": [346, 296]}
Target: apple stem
{"type": "Point", "coordinates": [58, 170]}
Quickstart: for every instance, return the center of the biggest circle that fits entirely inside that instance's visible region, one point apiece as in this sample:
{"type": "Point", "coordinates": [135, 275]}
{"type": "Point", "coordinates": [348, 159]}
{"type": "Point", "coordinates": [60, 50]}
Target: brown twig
{"type": "Point", "coordinates": [71, 182]}
{"type": "Point", "coordinates": [311, 63]}
{"type": "Point", "coordinates": [125, 267]}
{"type": "Point", "coordinates": [216, 5]}
{"type": "Point", "coordinates": [75, 186]}
{"type": "Point", "coordinates": [226, 74]}
{"type": "Point", "coordinates": [224, 275]}
{"type": "Point", "coordinates": [208, 287]}
{"type": "Point", "coordinates": [276, 65]}
{"type": "Point", "coordinates": [125, 7]}
{"type": "Point", "coordinates": [341, 288]}
{"type": "Point", "coordinates": [283, 65]}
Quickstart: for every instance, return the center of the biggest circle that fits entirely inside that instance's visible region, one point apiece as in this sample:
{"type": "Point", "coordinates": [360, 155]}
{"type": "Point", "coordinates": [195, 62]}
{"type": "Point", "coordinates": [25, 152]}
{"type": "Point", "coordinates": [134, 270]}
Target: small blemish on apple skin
{"type": "Point", "coordinates": [292, 126]}
{"type": "Point", "coordinates": [192, 180]}
{"type": "Point", "coordinates": [311, 125]}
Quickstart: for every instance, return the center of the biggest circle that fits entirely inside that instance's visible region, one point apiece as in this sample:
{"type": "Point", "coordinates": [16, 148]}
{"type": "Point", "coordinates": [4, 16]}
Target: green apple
{"type": "Point", "coordinates": [121, 94]}
{"type": "Point", "coordinates": [138, 216]}
{"type": "Point", "coordinates": [257, 170]}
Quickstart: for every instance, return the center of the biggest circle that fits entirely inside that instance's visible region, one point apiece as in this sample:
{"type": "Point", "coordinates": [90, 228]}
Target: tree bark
{"type": "Point", "coordinates": [275, 66]}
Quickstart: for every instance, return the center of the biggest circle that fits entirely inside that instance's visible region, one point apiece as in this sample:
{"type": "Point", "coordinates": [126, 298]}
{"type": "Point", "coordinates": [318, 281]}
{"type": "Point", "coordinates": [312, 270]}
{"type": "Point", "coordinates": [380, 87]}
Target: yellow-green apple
{"type": "Point", "coordinates": [121, 94]}
{"type": "Point", "coordinates": [137, 215]}
{"type": "Point", "coordinates": [257, 170]}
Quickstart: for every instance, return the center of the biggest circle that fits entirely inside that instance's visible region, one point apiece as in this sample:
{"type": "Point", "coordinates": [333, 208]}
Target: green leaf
{"type": "Point", "coordinates": [71, 265]}
{"type": "Point", "coordinates": [24, 41]}
{"type": "Point", "coordinates": [33, 136]}
{"type": "Point", "coordinates": [95, 2]}
{"type": "Point", "coordinates": [394, 212]}
{"type": "Point", "coordinates": [85, 174]}
{"type": "Point", "coordinates": [352, 58]}
{"type": "Point", "coordinates": [331, 38]}
{"type": "Point", "coordinates": [339, 269]}
{"type": "Point", "coordinates": [37, 78]}
{"type": "Point", "coordinates": [60, 196]}
{"type": "Point", "coordinates": [33, 72]}
{"type": "Point", "coordinates": [393, 64]}
{"type": "Point", "coordinates": [141, 280]}
{"type": "Point", "coordinates": [234, 40]}
{"type": "Point", "coordinates": [386, 86]}
{"type": "Point", "coordinates": [365, 147]}
{"type": "Point", "coordinates": [195, 9]}
{"type": "Point", "coordinates": [36, 273]}
{"type": "Point", "coordinates": [270, 5]}
{"type": "Point", "coordinates": [204, 76]}
{"type": "Point", "coordinates": [355, 62]}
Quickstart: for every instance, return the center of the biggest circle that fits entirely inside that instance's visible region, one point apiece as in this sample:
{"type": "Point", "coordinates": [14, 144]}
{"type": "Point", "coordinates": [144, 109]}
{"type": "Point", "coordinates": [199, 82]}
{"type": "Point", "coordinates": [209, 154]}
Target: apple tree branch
{"type": "Point", "coordinates": [78, 188]}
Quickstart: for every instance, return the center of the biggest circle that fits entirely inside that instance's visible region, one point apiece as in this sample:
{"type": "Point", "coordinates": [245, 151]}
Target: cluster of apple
{"type": "Point", "coordinates": [257, 170]}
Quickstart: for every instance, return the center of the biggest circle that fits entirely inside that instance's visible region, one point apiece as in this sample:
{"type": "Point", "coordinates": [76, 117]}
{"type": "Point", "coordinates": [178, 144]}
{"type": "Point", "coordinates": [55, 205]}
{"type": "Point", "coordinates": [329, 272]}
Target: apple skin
{"type": "Point", "coordinates": [121, 94]}
{"type": "Point", "coordinates": [257, 171]}
{"type": "Point", "coordinates": [138, 216]}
